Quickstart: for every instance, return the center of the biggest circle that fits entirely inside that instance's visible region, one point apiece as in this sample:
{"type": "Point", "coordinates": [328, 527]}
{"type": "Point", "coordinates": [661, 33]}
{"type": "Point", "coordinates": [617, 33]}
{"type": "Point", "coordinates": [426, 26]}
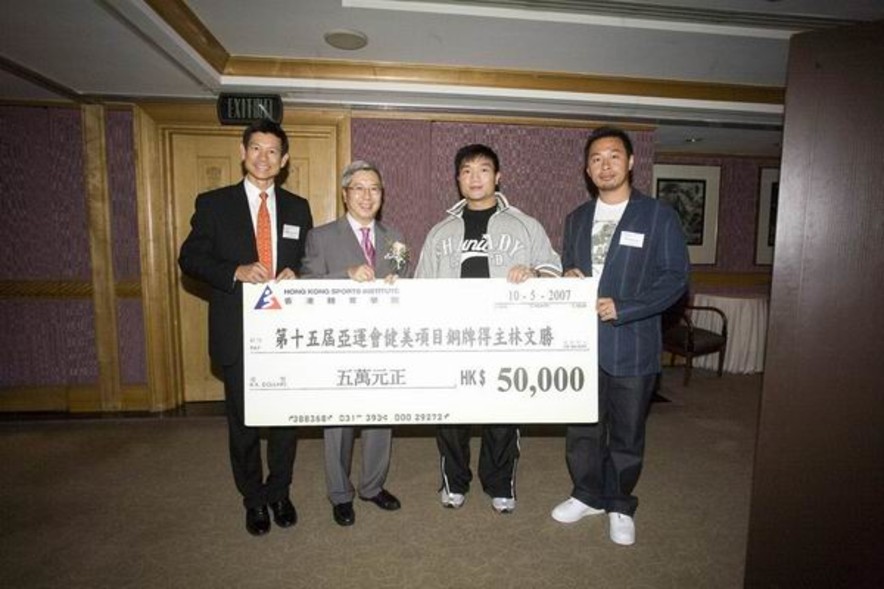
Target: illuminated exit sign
{"type": "Point", "coordinates": [242, 109]}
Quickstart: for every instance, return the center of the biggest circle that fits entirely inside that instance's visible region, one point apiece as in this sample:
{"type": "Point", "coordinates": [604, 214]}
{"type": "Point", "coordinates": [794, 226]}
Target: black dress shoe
{"type": "Point", "coordinates": [257, 520]}
{"type": "Point", "coordinates": [385, 500]}
{"type": "Point", "coordinates": [343, 514]}
{"type": "Point", "coordinates": [284, 514]}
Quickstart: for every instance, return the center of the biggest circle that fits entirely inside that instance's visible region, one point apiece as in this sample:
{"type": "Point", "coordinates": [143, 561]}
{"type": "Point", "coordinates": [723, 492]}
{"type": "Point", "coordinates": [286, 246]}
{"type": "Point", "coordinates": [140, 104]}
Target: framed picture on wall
{"type": "Point", "coordinates": [768, 198]}
{"type": "Point", "coordinates": [693, 192]}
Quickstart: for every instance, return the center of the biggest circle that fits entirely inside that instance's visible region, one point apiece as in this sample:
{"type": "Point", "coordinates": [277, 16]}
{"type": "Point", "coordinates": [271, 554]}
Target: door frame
{"type": "Point", "coordinates": [154, 125]}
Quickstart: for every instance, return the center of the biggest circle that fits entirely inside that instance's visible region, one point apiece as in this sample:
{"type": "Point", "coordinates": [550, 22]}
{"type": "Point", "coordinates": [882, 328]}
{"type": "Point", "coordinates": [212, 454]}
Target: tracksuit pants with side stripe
{"type": "Point", "coordinates": [498, 458]}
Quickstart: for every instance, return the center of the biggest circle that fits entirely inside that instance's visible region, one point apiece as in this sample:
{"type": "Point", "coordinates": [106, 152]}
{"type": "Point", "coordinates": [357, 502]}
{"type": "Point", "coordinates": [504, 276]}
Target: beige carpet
{"type": "Point", "coordinates": [149, 502]}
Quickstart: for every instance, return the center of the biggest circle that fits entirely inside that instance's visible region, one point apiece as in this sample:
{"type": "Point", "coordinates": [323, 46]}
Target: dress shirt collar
{"type": "Point", "coordinates": [254, 193]}
{"type": "Point", "coordinates": [356, 226]}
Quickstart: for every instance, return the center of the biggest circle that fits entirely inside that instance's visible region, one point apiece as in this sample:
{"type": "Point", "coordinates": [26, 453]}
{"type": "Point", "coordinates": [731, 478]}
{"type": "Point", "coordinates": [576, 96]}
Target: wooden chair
{"type": "Point", "coordinates": [682, 338]}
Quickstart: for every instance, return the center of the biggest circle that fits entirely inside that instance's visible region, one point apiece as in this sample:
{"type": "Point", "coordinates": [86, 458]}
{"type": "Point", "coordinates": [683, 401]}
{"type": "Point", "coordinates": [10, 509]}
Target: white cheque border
{"type": "Point", "coordinates": [335, 352]}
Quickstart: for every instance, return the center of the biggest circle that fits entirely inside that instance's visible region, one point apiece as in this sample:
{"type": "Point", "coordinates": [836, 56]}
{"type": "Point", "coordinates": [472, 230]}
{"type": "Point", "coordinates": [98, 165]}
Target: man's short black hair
{"type": "Point", "coordinates": [266, 126]}
{"type": "Point", "coordinates": [472, 152]}
{"type": "Point", "coordinates": [604, 133]}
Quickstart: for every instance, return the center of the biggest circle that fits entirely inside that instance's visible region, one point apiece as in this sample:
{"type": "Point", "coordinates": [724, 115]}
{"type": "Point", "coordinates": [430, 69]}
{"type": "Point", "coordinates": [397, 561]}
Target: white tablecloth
{"type": "Point", "coordinates": [747, 331]}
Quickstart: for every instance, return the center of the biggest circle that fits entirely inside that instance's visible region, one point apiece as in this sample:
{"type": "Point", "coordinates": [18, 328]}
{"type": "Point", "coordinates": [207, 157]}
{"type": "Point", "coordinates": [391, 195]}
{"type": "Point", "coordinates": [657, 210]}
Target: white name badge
{"type": "Point", "coordinates": [340, 352]}
{"type": "Point", "coordinates": [291, 232]}
{"type": "Point", "coordinates": [630, 239]}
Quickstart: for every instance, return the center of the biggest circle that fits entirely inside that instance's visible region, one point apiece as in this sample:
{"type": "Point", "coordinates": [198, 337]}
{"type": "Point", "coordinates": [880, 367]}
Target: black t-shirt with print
{"type": "Point", "coordinates": [474, 249]}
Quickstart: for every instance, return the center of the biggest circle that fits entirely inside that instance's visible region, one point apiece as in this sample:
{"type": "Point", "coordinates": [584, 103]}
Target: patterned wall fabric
{"type": "Point", "coordinates": [737, 208]}
{"type": "Point", "coordinates": [133, 356]}
{"type": "Point", "coordinates": [45, 237]}
{"type": "Point", "coordinates": [44, 222]}
{"type": "Point", "coordinates": [126, 255]}
{"type": "Point", "coordinates": [400, 150]}
{"type": "Point", "coordinates": [541, 168]}
{"type": "Point", "coordinates": [47, 342]}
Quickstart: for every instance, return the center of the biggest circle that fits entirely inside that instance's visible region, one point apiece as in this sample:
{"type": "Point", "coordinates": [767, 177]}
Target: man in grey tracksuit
{"type": "Point", "coordinates": [483, 236]}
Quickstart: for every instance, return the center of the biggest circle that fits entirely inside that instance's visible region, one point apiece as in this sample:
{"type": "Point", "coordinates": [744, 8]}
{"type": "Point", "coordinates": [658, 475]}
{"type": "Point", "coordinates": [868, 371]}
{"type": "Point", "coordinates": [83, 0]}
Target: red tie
{"type": "Point", "coordinates": [265, 243]}
{"type": "Point", "coordinates": [367, 247]}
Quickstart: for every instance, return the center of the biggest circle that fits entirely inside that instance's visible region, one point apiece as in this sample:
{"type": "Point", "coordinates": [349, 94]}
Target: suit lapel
{"type": "Point", "coordinates": [282, 213]}
{"type": "Point", "coordinates": [381, 240]}
{"type": "Point", "coordinates": [349, 240]}
{"type": "Point", "coordinates": [243, 216]}
{"type": "Point", "coordinates": [629, 214]}
{"type": "Point", "coordinates": [586, 232]}
{"type": "Point", "coordinates": [382, 243]}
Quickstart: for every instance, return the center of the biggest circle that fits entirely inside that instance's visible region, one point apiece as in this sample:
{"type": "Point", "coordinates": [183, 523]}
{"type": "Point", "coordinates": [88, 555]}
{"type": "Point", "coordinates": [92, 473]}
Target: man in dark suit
{"type": "Point", "coordinates": [355, 246]}
{"type": "Point", "coordinates": [249, 232]}
{"type": "Point", "coordinates": [636, 247]}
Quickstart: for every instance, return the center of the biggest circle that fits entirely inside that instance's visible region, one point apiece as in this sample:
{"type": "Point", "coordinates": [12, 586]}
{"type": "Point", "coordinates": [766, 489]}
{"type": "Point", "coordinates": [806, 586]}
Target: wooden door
{"type": "Point", "coordinates": [203, 159]}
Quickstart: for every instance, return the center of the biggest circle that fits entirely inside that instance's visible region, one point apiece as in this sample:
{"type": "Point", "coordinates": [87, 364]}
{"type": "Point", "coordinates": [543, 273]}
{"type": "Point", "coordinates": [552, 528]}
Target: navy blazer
{"type": "Point", "coordinates": [643, 281]}
{"type": "Point", "coordinates": [221, 238]}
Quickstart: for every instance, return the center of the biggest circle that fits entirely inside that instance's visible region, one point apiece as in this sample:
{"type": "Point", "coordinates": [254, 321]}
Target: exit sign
{"type": "Point", "coordinates": [242, 109]}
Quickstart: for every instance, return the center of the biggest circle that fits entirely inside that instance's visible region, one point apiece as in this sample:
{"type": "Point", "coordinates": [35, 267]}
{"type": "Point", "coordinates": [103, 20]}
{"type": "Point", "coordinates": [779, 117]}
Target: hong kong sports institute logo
{"type": "Point", "coordinates": [267, 301]}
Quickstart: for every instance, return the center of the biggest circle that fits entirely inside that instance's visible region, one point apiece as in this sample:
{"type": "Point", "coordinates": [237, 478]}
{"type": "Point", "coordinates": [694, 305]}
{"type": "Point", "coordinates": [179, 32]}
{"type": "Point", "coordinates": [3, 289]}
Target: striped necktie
{"type": "Point", "coordinates": [367, 246]}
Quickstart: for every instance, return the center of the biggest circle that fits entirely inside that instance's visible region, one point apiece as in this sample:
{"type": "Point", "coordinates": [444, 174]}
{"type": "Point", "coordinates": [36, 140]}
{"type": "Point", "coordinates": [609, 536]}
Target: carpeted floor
{"type": "Point", "coordinates": [149, 502]}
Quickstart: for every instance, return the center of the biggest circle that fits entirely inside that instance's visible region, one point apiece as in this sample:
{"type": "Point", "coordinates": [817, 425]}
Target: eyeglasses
{"type": "Point", "coordinates": [361, 190]}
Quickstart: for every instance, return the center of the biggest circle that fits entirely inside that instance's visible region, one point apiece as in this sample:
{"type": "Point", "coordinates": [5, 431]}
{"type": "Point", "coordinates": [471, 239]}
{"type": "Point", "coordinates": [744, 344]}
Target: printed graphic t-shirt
{"type": "Point", "coordinates": [474, 248]}
{"type": "Point", "coordinates": [604, 224]}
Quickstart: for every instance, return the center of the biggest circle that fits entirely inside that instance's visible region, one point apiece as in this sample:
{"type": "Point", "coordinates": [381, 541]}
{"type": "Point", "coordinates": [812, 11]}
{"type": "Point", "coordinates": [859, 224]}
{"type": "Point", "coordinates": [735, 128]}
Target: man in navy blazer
{"type": "Point", "coordinates": [636, 246]}
{"type": "Point", "coordinates": [221, 250]}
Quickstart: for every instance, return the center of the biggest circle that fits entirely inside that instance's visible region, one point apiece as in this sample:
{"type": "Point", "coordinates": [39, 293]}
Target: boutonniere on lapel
{"type": "Point", "coordinates": [397, 255]}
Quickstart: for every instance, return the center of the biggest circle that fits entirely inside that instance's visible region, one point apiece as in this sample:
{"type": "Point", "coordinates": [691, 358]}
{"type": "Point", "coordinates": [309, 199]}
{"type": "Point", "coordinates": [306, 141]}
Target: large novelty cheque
{"type": "Point", "coordinates": [334, 352]}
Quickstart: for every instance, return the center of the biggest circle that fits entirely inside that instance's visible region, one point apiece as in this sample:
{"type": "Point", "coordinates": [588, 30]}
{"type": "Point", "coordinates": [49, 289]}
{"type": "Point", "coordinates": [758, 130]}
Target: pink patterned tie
{"type": "Point", "coordinates": [367, 247]}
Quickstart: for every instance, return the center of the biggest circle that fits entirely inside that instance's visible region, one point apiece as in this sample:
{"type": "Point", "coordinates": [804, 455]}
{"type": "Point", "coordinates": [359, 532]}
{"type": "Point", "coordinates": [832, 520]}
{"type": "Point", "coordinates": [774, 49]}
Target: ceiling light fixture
{"type": "Point", "coordinates": [693, 140]}
{"type": "Point", "coordinates": [346, 39]}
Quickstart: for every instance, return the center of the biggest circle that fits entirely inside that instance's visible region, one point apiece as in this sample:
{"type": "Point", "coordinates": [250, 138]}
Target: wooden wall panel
{"type": "Point", "coordinates": [817, 515]}
{"type": "Point", "coordinates": [100, 243]}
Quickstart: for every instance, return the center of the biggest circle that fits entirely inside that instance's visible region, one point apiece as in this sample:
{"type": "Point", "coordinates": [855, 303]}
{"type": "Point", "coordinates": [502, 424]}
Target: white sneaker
{"type": "Point", "coordinates": [572, 510]}
{"type": "Point", "coordinates": [621, 529]}
{"type": "Point", "coordinates": [452, 500]}
{"type": "Point", "coordinates": [503, 504]}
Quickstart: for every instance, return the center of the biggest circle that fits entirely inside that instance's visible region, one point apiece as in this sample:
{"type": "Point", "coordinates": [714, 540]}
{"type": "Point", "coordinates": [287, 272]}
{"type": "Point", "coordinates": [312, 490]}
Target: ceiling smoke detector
{"type": "Point", "coordinates": [347, 39]}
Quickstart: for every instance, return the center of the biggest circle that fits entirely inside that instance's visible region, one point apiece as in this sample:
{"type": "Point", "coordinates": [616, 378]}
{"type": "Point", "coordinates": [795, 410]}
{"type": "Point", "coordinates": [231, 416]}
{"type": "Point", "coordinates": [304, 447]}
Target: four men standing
{"type": "Point", "coordinates": [255, 232]}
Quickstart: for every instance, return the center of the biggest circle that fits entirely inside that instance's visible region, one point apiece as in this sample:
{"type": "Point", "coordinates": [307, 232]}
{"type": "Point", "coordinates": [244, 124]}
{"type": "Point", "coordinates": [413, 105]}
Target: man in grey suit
{"type": "Point", "coordinates": [354, 246]}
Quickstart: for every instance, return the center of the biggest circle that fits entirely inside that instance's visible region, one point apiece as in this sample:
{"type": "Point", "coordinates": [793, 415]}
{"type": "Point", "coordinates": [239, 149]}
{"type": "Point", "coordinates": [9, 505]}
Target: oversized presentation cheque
{"type": "Point", "coordinates": [336, 352]}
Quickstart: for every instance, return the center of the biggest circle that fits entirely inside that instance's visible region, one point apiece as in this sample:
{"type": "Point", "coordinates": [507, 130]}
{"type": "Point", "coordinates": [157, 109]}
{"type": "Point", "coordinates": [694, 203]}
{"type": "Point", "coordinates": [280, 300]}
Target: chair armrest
{"type": "Point", "coordinates": [707, 308]}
